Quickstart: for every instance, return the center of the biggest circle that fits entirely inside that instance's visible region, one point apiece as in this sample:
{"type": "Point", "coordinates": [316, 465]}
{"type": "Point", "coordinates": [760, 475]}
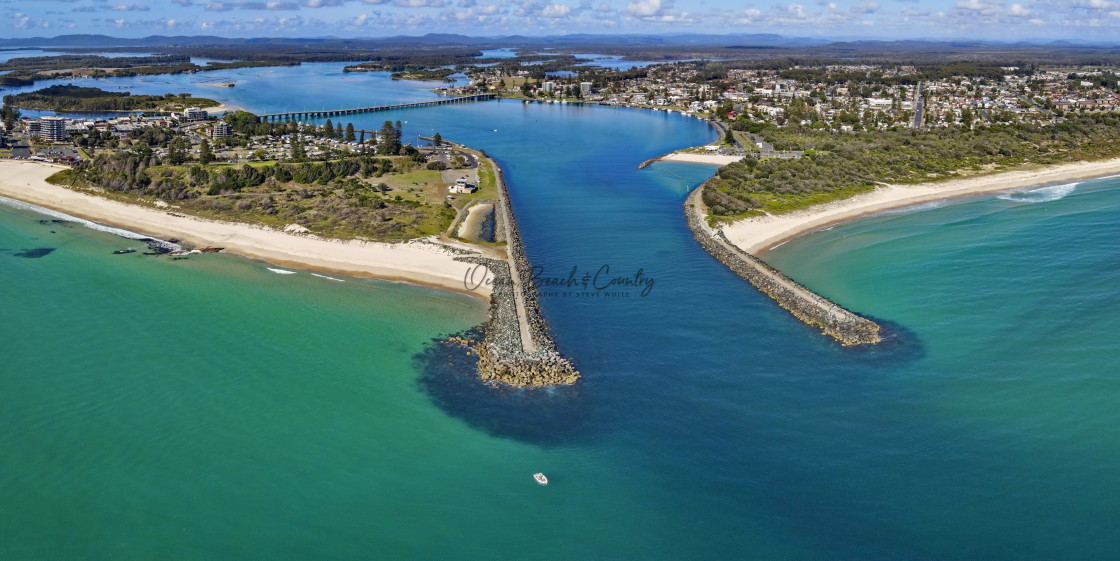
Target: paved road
{"type": "Point", "coordinates": [919, 106]}
{"type": "Point", "coordinates": [1035, 105]}
{"type": "Point", "coordinates": [20, 150]}
{"type": "Point", "coordinates": [763, 146]}
{"type": "Point", "coordinates": [984, 113]}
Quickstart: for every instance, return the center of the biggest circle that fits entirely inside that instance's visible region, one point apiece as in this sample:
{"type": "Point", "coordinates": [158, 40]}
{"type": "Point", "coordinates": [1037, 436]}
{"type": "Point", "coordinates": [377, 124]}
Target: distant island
{"type": "Point", "coordinates": [70, 98]}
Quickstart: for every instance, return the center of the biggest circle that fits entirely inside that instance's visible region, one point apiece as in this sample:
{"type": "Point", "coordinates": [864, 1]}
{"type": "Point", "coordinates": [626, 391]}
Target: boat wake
{"type": "Point", "coordinates": [281, 271]}
{"type": "Point", "coordinates": [1042, 194]}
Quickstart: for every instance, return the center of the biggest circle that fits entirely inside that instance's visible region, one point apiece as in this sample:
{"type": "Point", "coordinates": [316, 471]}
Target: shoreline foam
{"type": "Point", "coordinates": [757, 235]}
{"type": "Point", "coordinates": [422, 262]}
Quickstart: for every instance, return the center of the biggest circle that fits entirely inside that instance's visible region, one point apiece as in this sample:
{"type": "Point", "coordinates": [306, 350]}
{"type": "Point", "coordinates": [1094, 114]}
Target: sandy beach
{"type": "Point", "coordinates": [419, 261]}
{"type": "Point", "coordinates": [713, 159]}
{"type": "Point", "coordinates": [760, 234]}
{"type": "Point", "coordinates": [471, 227]}
{"type": "Point", "coordinates": [223, 109]}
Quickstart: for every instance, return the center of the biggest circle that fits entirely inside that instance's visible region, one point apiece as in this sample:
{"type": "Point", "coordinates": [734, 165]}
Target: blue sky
{"type": "Point", "coordinates": [939, 19]}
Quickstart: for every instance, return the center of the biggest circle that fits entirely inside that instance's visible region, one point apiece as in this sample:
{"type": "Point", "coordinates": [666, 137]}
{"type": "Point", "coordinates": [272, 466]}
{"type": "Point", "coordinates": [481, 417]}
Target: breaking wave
{"type": "Point", "coordinates": [163, 245]}
{"type": "Point", "coordinates": [1042, 194]}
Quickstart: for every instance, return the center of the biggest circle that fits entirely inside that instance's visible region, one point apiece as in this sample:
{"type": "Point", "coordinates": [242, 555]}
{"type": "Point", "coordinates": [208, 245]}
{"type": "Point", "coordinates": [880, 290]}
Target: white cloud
{"type": "Point", "coordinates": [644, 8]}
{"type": "Point", "coordinates": [419, 3]}
{"type": "Point", "coordinates": [865, 7]}
{"type": "Point", "coordinates": [749, 16]}
{"type": "Point", "coordinates": [1018, 11]}
{"type": "Point", "coordinates": [682, 17]}
{"type": "Point", "coordinates": [977, 6]}
{"type": "Point", "coordinates": [556, 11]}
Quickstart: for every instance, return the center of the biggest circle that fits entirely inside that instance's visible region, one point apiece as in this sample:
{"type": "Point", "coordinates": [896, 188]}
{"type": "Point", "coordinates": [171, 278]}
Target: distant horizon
{"type": "Point", "coordinates": [732, 38]}
{"type": "Point", "coordinates": [1092, 21]}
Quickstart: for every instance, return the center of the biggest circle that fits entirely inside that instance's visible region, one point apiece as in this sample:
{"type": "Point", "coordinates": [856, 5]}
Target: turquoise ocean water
{"type": "Point", "coordinates": [215, 409]}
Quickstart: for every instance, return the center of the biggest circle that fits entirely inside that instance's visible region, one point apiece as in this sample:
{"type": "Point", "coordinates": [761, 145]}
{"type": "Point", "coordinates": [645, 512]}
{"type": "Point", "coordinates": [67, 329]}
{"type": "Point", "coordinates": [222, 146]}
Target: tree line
{"type": "Point", "coordinates": [75, 98]}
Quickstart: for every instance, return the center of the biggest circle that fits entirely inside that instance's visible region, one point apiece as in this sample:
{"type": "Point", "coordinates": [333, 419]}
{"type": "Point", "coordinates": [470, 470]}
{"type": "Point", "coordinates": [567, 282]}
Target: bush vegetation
{"type": "Point", "coordinates": [838, 165]}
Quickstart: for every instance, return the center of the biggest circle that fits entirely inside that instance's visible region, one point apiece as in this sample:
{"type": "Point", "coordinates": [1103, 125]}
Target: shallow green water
{"type": "Point", "coordinates": [214, 409]}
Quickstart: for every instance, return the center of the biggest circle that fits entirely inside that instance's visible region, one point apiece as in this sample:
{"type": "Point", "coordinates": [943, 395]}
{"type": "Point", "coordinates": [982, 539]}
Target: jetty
{"type": "Point", "coordinates": [325, 113]}
{"type": "Point", "coordinates": [517, 348]}
{"type": "Point", "coordinates": [811, 308]}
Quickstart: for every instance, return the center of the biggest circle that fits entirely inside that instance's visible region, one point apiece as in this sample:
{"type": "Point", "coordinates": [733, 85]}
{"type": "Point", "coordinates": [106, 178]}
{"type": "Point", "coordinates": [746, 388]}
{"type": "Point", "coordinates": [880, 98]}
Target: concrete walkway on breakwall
{"type": "Point", "coordinates": [811, 308]}
{"type": "Point", "coordinates": [514, 251]}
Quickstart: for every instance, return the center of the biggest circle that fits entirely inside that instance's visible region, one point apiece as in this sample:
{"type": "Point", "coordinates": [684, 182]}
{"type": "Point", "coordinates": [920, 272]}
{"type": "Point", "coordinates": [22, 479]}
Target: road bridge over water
{"type": "Point", "coordinates": [326, 113]}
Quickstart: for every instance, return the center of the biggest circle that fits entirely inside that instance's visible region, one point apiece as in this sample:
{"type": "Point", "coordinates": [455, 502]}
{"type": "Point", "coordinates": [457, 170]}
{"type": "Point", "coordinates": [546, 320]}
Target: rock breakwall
{"type": "Point", "coordinates": [811, 308]}
{"type": "Point", "coordinates": [501, 355]}
{"type": "Point", "coordinates": [516, 348]}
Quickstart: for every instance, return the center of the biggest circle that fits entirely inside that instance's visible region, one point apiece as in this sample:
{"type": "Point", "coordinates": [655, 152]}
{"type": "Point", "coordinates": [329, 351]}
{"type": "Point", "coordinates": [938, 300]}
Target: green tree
{"type": "Point", "coordinates": [177, 151]}
{"type": "Point", "coordinates": [243, 122]}
{"type": "Point", "coordinates": [10, 114]}
{"type": "Point", "coordinates": [337, 131]}
{"type": "Point", "coordinates": [437, 139]}
{"type": "Point", "coordinates": [328, 129]}
{"type": "Point", "coordinates": [390, 142]}
{"type": "Point", "coordinates": [205, 155]}
{"type": "Point", "coordinates": [349, 132]}
{"type": "Point", "coordinates": [298, 154]}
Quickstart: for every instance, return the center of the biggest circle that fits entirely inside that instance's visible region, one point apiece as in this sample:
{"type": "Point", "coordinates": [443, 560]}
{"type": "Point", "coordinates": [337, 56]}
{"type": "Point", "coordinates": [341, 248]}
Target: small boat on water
{"type": "Point", "coordinates": [124, 251]}
{"type": "Point", "coordinates": [540, 478]}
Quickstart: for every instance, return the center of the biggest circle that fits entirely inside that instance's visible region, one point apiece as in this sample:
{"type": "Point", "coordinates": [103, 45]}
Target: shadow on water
{"type": "Point", "coordinates": [35, 253]}
{"type": "Point", "coordinates": [900, 345]}
{"type": "Point", "coordinates": [542, 416]}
